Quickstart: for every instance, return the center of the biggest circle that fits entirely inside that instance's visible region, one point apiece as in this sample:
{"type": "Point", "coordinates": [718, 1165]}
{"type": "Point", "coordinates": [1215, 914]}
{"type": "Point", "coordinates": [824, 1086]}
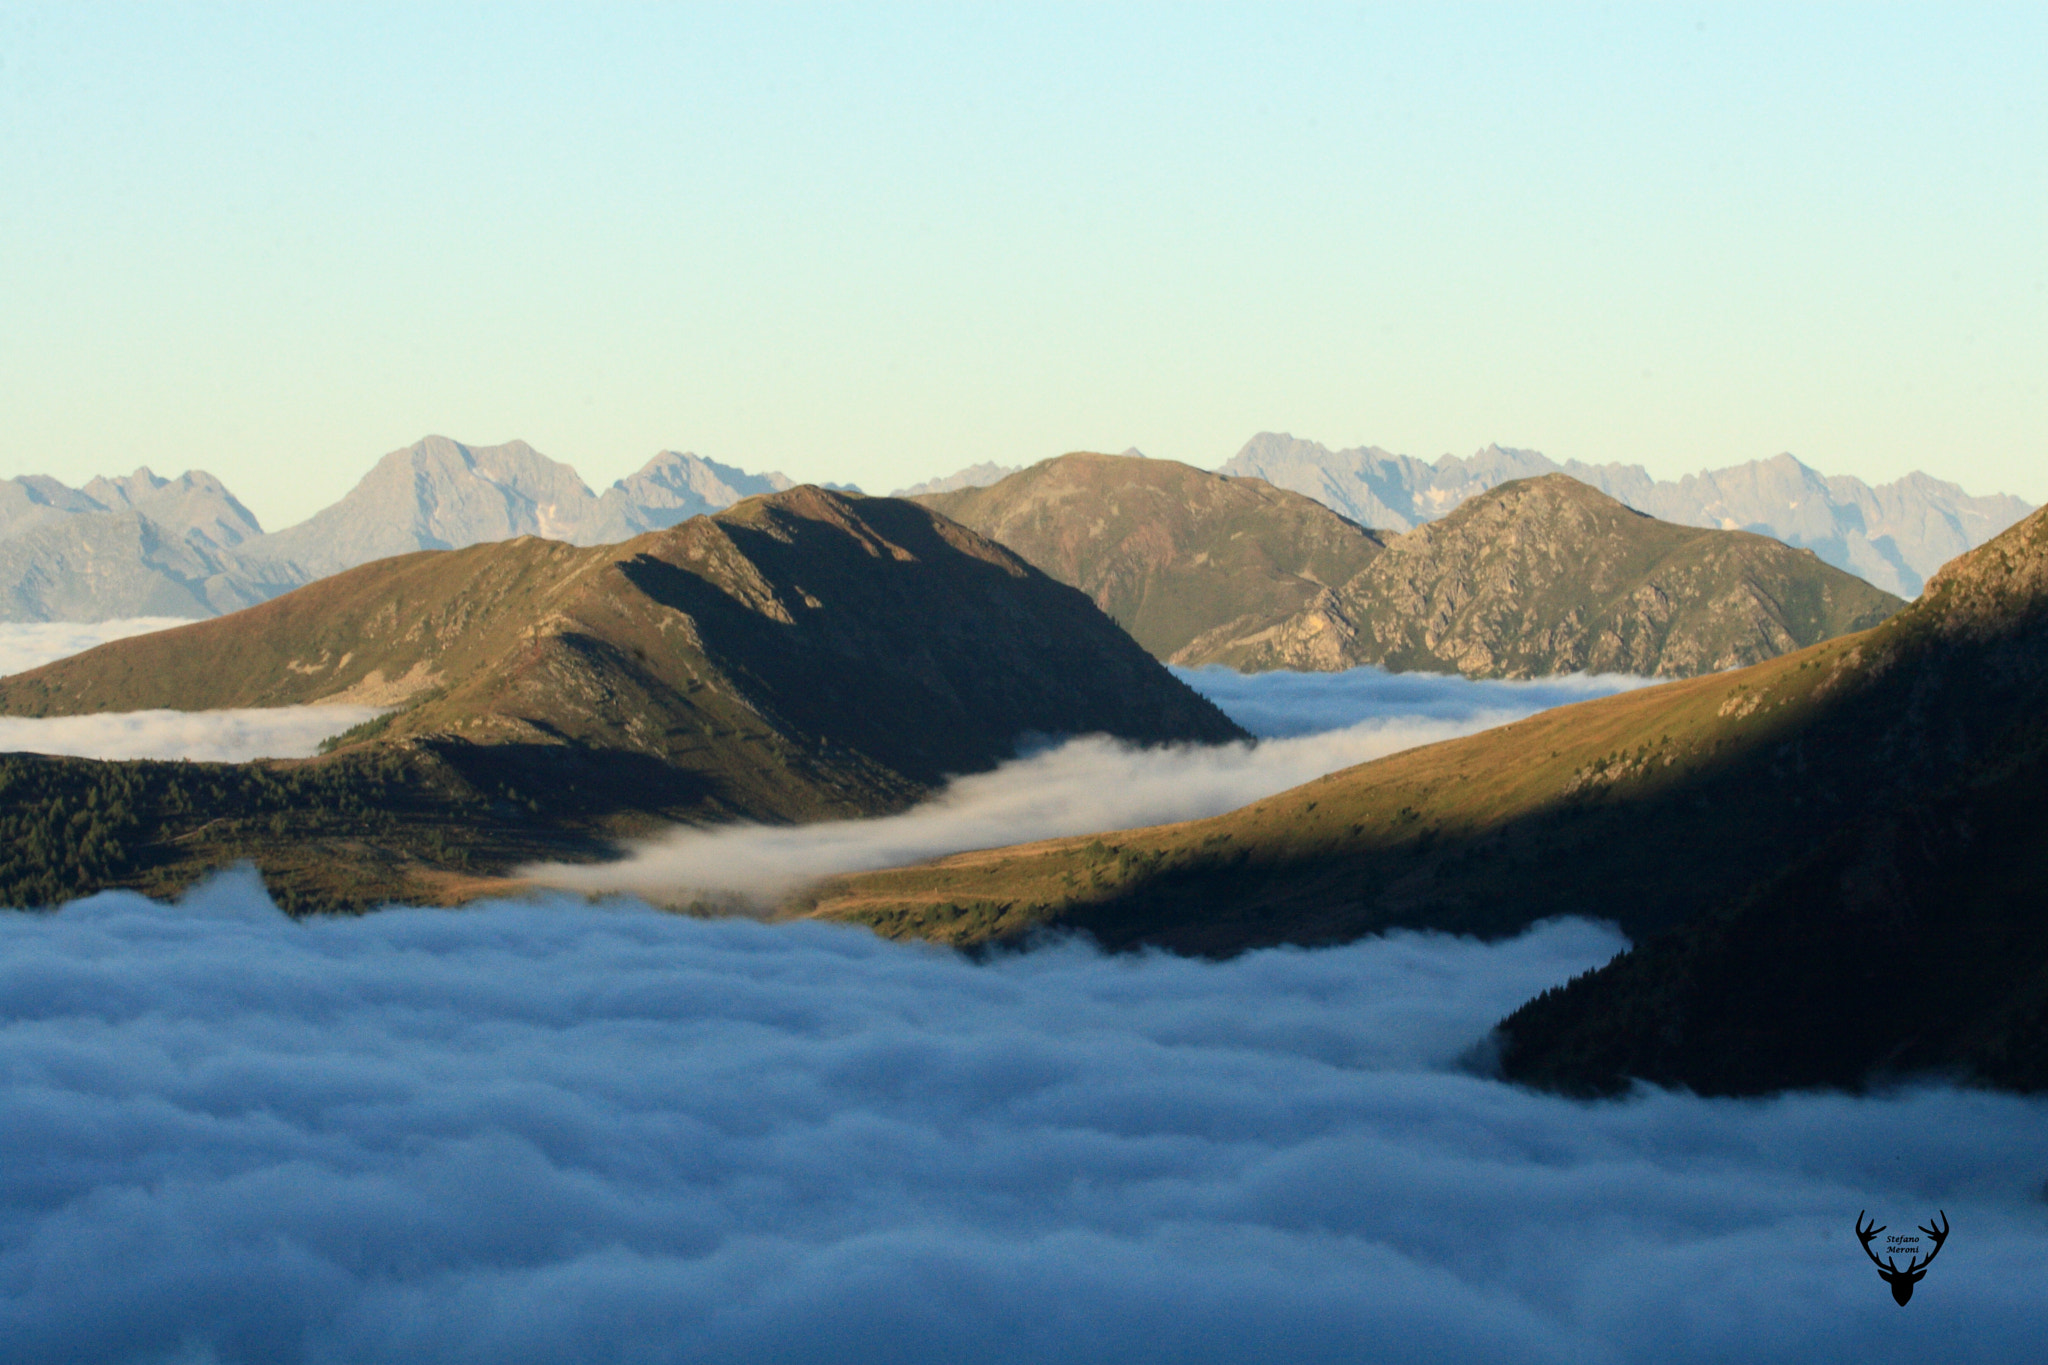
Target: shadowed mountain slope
{"type": "Point", "coordinates": [801, 655]}
{"type": "Point", "coordinates": [1166, 550]}
{"type": "Point", "coordinates": [1910, 938]}
{"type": "Point", "coordinates": [1653, 808]}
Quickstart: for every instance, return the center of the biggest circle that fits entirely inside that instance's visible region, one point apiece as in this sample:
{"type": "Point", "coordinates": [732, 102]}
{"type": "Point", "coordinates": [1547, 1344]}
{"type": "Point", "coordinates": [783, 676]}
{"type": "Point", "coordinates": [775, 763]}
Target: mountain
{"type": "Point", "coordinates": [974, 476]}
{"type": "Point", "coordinates": [1892, 535]}
{"type": "Point", "coordinates": [1168, 551]}
{"type": "Point", "coordinates": [146, 546]}
{"type": "Point", "coordinates": [801, 655]}
{"type": "Point", "coordinates": [1530, 578]}
{"type": "Point", "coordinates": [1908, 939]}
{"type": "Point", "coordinates": [1545, 576]}
{"type": "Point", "coordinates": [439, 494]}
{"type": "Point", "coordinates": [1848, 833]}
{"type": "Point", "coordinates": [136, 546]}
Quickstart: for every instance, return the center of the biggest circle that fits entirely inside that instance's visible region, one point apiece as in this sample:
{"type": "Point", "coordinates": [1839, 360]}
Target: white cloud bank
{"type": "Point", "coordinates": [234, 736]}
{"type": "Point", "coordinates": [537, 1133]}
{"type": "Point", "coordinates": [1329, 721]}
{"type": "Point", "coordinates": [1282, 704]}
{"type": "Point", "coordinates": [31, 644]}
{"type": "Point", "coordinates": [216, 736]}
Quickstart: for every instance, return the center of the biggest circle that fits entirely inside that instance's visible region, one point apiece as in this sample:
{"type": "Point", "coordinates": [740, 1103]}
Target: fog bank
{"type": "Point", "coordinates": [233, 736]}
{"type": "Point", "coordinates": [1328, 720]}
{"type": "Point", "coordinates": [31, 644]}
{"type": "Point", "coordinates": [549, 1132]}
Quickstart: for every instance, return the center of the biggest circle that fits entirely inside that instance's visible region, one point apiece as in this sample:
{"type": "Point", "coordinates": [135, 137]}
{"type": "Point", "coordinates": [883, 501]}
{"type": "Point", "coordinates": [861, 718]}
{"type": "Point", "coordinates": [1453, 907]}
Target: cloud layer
{"type": "Point", "coordinates": [31, 644]}
{"type": "Point", "coordinates": [1281, 704]}
{"type": "Point", "coordinates": [217, 736]}
{"type": "Point", "coordinates": [550, 1132]}
{"type": "Point", "coordinates": [1328, 721]}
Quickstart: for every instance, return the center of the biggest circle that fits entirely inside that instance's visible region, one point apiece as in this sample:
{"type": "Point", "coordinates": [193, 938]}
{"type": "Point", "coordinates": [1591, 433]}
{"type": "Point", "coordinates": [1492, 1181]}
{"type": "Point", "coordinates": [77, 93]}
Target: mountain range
{"type": "Point", "coordinates": [801, 655]}
{"type": "Point", "coordinates": [1529, 578]}
{"type": "Point", "coordinates": [1892, 535]}
{"type": "Point", "coordinates": [147, 546]}
{"type": "Point", "coordinates": [1830, 860]}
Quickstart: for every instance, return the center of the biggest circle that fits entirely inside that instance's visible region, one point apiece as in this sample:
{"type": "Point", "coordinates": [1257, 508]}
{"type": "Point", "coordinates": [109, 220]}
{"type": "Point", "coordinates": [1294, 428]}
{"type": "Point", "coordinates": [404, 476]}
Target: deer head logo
{"type": "Point", "coordinates": [1902, 1281]}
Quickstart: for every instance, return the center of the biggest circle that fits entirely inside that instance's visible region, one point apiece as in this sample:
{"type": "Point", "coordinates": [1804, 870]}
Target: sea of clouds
{"type": "Point", "coordinates": [557, 1132]}
{"type": "Point", "coordinates": [1309, 724]}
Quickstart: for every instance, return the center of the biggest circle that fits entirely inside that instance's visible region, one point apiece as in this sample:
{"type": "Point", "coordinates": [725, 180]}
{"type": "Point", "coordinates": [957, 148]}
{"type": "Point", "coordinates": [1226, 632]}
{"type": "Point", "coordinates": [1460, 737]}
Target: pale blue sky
{"type": "Point", "coordinates": [877, 243]}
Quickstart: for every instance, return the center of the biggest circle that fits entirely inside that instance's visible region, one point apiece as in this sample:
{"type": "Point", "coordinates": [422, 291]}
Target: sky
{"type": "Point", "coordinates": [875, 243]}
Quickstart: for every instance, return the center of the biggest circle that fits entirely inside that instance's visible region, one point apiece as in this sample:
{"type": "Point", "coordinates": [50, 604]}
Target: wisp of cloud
{"type": "Point", "coordinates": [1320, 722]}
{"type": "Point", "coordinates": [553, 1132]}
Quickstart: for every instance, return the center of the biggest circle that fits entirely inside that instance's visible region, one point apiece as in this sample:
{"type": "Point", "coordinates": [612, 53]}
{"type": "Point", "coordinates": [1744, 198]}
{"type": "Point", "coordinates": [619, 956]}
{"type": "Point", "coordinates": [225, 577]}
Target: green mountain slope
{"type": "Point", "coordinates": [1166, 550]}
{"type": "Point", "coordinates": [798, 656]}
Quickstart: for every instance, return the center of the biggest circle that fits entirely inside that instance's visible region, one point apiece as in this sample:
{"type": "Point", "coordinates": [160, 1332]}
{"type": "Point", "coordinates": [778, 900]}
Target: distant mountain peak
{"type": "Point", "coordinates": [196, 550]}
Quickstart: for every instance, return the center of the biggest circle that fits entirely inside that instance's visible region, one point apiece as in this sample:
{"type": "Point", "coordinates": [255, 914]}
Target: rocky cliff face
{"type": "Point", "coordinates": [439, 494]}
{"type": "Point", "coordinates": [135, 546]}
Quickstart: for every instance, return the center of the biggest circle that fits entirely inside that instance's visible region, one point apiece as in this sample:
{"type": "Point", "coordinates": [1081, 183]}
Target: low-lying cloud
{"type": "Point", "coordinates": [1328, 721]}
{"type": "Point", "coordinates": [542, 1132]}
{"type": "Point", "coordinates": [1280, 704]}
{"type": "Point", "coordinates": [233, 736]}
{"type": "Point", "coordinates": [31, 644]}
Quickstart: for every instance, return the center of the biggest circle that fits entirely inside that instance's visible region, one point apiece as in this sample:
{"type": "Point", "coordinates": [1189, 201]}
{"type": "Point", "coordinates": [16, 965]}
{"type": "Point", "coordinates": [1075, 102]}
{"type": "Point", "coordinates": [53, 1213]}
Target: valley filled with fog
{"type": "Point", "coordinates": [558, 1129]}
{"type": "Point", "coordinates": [551, 1131]}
